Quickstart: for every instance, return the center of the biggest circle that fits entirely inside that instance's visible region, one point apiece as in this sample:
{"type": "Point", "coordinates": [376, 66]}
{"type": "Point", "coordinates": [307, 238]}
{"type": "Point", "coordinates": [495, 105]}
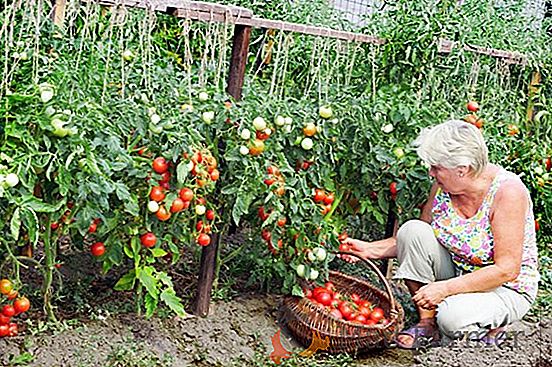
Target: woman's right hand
{"type": "Point", "coordinates": [357, 247]}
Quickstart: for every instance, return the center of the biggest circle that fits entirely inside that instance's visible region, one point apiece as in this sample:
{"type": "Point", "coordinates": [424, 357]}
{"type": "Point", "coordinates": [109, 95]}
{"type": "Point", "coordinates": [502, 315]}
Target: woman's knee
{"type": "Point", "coordinates": [413, 233]}
{"type": "Point", "coordinates": [452, 319]}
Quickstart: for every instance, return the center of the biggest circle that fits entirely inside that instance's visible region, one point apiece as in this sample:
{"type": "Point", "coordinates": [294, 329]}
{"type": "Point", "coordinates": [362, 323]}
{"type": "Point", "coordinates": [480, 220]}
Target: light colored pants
{"type": "Point", "coordinates": [423, 259]}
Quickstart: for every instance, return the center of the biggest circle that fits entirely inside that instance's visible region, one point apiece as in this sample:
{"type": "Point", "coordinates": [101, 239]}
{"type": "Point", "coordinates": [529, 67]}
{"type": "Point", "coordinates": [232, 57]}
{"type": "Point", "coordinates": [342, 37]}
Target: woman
{"type": "Point", "coordinates": [470, 262]}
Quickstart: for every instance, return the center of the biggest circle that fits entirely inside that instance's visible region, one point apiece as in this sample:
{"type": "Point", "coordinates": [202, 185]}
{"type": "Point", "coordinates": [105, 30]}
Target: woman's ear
{"type": "Point", "coordinates": [462, 171]}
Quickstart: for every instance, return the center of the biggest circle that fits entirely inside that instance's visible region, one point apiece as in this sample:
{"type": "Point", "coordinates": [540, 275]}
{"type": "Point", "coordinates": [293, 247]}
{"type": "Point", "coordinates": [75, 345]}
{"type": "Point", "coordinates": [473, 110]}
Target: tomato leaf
{"type": "Point", "coordinates": [145, 275]}
{"type": "Point", "coordinates": [151, 305]}
{"type": "Point", "coordinates": [39, 206]}
{"type": "Point", "coordinates": [63, 179]}
{"type": "Point", "coordinates": [297, 291]}
{"type": "Point", "coordinates": [170, 298]}
{"type": "Point", "coordinates": [158, 252]}
{"type": "Point", "coordinates": [30, 221]}
{"type": "Point", "coordinates": [126, 282]}
{"type": "Point", "coordinates": [15, 224]}
{"type": "Point", "coordinates": [182, 172]}
{"type": "Point", "coordinates": [165, 279]}
{"type": "Point", "coordinates": [241, 206]}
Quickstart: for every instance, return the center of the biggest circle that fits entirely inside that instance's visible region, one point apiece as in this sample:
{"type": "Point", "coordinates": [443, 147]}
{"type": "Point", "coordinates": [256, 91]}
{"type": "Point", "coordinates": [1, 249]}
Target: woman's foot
{"type": "Point", "coordinates": [424, 333]}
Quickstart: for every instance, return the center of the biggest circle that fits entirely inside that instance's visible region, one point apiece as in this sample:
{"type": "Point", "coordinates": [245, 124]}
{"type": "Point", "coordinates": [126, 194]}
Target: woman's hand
{"type": "Point", "coordinates": [357, 247]}
{"type": "Point", "coordinates": [430, 295]}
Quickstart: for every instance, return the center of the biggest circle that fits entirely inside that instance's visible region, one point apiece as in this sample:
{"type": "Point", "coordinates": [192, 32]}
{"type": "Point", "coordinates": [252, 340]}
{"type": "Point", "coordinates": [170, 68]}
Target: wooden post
{"type": "Point", "coordinates": [240, 49]}
{"type": "Point", "coordinates": [533, 89]}
{"type": "Point", "coordinates": [58, 12]}
{"type": "Point", "coordinates": [390, 231]}
{"type": "Point", "coordinates": [206, 276]}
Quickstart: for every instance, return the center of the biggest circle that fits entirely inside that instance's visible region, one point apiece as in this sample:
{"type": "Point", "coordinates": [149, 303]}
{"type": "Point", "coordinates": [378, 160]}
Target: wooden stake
{"type": "Point", "coordinates": [206, 277]}
{"type": "Point", "coordinates": [533, 89]}
{"type": "Point", "coordinates": [58, 12]}
{"type": "Point", "coordinates": [240, 49]}
{"type": "Point", "coordinates": [390, 231]}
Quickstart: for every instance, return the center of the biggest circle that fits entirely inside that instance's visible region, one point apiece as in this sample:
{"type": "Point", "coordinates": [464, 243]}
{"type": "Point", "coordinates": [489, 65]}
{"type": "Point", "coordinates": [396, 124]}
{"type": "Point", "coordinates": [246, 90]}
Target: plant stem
{"type": "Point", "coordinates": [50, 257]}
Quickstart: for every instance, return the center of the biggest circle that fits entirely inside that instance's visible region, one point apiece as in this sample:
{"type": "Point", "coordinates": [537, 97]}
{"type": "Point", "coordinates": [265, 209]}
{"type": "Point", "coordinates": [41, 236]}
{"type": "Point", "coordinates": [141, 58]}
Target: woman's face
{"type": "Point", "coordinates": [447, 178]}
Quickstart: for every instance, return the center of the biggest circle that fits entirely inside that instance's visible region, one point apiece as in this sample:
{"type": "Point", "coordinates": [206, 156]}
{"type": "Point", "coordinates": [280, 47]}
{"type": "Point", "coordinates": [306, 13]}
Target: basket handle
{"type": "Point", "coordinates": [376, 270]}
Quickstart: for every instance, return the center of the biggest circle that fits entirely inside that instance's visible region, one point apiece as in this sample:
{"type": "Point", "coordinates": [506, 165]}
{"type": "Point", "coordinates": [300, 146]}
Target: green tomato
{"type": "Point", "coordinates": [320, 253]}
{"type": "Point", "coordinates": [301, 269]}
{"type": "Point", "coordinates": [61, 132]}
{"type": "Point", "coordinates": [313, 274]}
{"type": "Point", "coordinates": [311, 256]}
{"type": "Point", "coordinates": [156, 129]}
{"type": "Point", "coordinates": [307, 144]}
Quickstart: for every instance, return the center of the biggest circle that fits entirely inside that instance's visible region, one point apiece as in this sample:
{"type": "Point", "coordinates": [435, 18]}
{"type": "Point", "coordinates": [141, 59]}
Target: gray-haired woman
{"type": "Point", "coordinates": [470, 262]}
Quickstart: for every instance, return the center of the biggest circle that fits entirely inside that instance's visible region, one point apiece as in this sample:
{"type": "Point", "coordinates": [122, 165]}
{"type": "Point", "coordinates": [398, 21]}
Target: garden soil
{"type": "Point", "coordinates": [238, 333]}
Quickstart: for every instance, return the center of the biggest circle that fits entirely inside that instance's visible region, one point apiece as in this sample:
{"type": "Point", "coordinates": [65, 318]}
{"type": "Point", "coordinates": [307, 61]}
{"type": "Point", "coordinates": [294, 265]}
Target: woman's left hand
{"type": "Point", "coordinates": [430, 295]}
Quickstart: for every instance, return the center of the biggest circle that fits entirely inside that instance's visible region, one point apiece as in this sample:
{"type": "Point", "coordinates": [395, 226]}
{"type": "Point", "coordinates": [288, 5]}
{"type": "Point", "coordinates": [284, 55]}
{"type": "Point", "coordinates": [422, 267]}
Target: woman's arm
{"type": "Point", "coordinates": [386, 248]}
{"type": "Point", "coordinates": [508, 227]}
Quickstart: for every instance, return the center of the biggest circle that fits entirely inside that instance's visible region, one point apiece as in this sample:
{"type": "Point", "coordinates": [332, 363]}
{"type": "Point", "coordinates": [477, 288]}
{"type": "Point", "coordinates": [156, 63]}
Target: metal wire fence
{"type": "Point", "coordinates": [356, 10]}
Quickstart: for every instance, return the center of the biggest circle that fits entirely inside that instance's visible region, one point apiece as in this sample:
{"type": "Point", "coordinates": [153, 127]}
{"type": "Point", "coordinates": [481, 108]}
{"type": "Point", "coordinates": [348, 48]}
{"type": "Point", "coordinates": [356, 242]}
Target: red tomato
{"type": "Point", "coordinates": [21, 305]}
{"type": "Point", "coordinates": [273, 170]}
{"type": "Point", "coordinates": [377, 314]}
{"type": "Point", "coordinates": [266, 235]}
{"type": "Point", "coordinates": [324, 298]}
{"type": "Point", "coordinates": [355, 298]}
{"type": "Point", "coordinates": [329, 199]}
{"type": "Point", "coordinates": [157, 193]}
{"type": "Point", "coordinates": [384, 321]}
{"type": "Point", "coordinates": [97, 249]}
{"type": "Point", "coordinates": [165, 185]}
{"type": "Point", "coordinates": [207, 228]}
{"type": "Point", "coordinates": [5, 286]}
{"type": "Point", "coordinates": [160, 165]}
{"type": "Point", "coordinates": [473, 106]}
{"type": "Point", "coordinates": [8, 311]}
{"type": "Point", "coordinates": [201, 201]}
{"type": "Point", "coordinates": [177, 205]}
{"type": "Point", "coordinates": [548, 163]}
{"type": "Point", "coordinates": [92, 228]}
{"type": "Point", "coordinates": [97, 220]}
{"type": "Point", "coordinates": [537, 225]}
{"type": "Point", "coordinates": [13, 329]}
{"type": "Point", "coordinates": [282, 221]}
{"type": "Point", "coordinates": [262, 214]}
{"type": "Point", "coordinates": [344, 247]}
{"type": "Point", "coordinates": [163, 214]}
{"type": "Point", "coordinates": [197, 157]}
{"type": "Point", "coordinates": [199, 225]}
{"type": "Point", "coordinates": [165, 177]}
{"type": "Point", "coordinates": [370, 322]}
{"type": "Point", "coordinates": [335, 303]}
{"type": "Point", "coordinates": [326, 209]}
{"type": "Point", "coordinates": [203, 239]}
{"type": "Point", "coordinates": [308, 293]}
{"type": "Point", "coordinates": [364, 311]}
{"type": "Point", "coordinates": [319, 196]}
{"type": "Point", "coordinates": [12, 295]}
{"type": "Point", "coordinates": [4, 320]}
{"type": "Point", "coordinates": [54, 226]}
{"type": "Point", "coordinates": [262, 135]}
{"type": "Point", "coordinates": [210, 214]}
{"type": "Point", "coordinates": [360, 319]}
{"type": "Point", "coordinates": [269, 181]}
{"type": "Point", "coordinates": [345, 310]}
{"type": "Point", "coordinates": [215, 174]}
{"type": "Point", "coordinates": [148, 239]}
{"type": "Point", "coordinates": [4, 330]}
{"type": "Point", "coordinates": [186, 194]}
{"type": "Point", "coordinates": [393, 188]}
{"type": "Point", "coordinates": [336, 313]}
{"type": "Point", "coordinates": [329, 286]}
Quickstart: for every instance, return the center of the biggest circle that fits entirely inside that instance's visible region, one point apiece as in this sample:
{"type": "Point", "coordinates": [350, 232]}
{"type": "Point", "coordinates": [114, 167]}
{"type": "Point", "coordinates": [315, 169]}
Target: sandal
{"type": "Point", "coordinates": [495, 336]}
{"type": "Point", "coordinates": [423, 335]}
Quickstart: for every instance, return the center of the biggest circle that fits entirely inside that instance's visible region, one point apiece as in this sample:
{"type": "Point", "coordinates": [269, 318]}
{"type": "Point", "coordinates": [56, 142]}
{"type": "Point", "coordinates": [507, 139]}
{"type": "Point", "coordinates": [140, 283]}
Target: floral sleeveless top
{"type": "Point", "coordinates": [470, 241]}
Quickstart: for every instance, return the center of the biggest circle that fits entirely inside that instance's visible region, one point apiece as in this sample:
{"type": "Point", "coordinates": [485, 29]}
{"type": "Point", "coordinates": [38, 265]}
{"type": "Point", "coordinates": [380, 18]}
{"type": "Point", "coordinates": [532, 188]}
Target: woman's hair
{"type": "Point", "coordinates": [452, 144]}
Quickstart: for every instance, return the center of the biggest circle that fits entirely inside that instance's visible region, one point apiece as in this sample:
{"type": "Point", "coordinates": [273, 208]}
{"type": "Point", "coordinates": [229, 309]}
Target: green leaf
{"type": "Point", "coordinates": [165, 279]}
{"type": "Point", "coordinates": [145, 275]}
{"type": "Point", "coordinates": [151, 305]}
{"type": "Point", "coordinates": [30, 220]}
{"type": "Point", "coordinates": [243, 201]}
{"type": "Point", "coordinates": [173, 302]}
{"type": "Point", "coordinates": [33, 203]}
{"type": "Point", "coordinates": [131, 205]}
{"type": "Point", "coordinates": [126, 283]}
{"type": "Point", "coordinates": [297, 291]}
{"type": "Point", "coordinates": [122, 192]}
{"type": "Point", "coordinates": [63, 179]}
{"type": "Point", "coordinates": [128, 252]}
{"type": "Point", "coordinates": [15, 224]}
{"type": "Point", "coordinates": [158, 252]}
{"type": "Point", "coordinates": [182, 172]}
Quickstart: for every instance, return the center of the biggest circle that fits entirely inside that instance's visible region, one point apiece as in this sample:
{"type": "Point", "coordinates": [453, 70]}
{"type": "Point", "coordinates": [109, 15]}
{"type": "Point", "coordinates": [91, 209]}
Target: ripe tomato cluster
{"type": "Point", "coordinates": [203, 168]}
{"type": "Point", "coordinates": [472, 118]}
{"type": "Point", "coordinates": [16, 305]}
{"type": "Point", "coordinates": [276, 180]}
{"type": "Point", "coordinates": [325, 200]}
{"type": "Point", "coordinates": [267, 234]}
{"type": "Point", "coordinates": [347, 307]}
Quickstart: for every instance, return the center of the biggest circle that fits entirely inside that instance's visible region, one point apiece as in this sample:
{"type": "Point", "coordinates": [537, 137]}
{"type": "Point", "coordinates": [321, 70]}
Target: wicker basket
{"type": "Point", "coordinates": [302, 317]}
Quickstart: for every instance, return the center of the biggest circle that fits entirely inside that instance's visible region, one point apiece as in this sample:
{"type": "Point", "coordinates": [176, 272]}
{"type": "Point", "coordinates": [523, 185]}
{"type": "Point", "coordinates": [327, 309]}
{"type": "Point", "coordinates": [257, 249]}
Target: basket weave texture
{"type": "Point", "coordinates": [302, 318]}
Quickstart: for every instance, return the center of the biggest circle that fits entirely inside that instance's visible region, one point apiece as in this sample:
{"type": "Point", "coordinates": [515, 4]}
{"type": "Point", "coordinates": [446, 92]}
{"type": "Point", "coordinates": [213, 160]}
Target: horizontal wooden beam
{"type": "Point", "coordinates": [212, 12]}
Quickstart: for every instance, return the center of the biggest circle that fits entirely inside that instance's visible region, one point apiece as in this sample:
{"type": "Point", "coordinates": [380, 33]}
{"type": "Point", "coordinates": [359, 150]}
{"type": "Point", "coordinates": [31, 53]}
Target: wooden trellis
{"type": "Point", "coordinates": [244, 20]}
